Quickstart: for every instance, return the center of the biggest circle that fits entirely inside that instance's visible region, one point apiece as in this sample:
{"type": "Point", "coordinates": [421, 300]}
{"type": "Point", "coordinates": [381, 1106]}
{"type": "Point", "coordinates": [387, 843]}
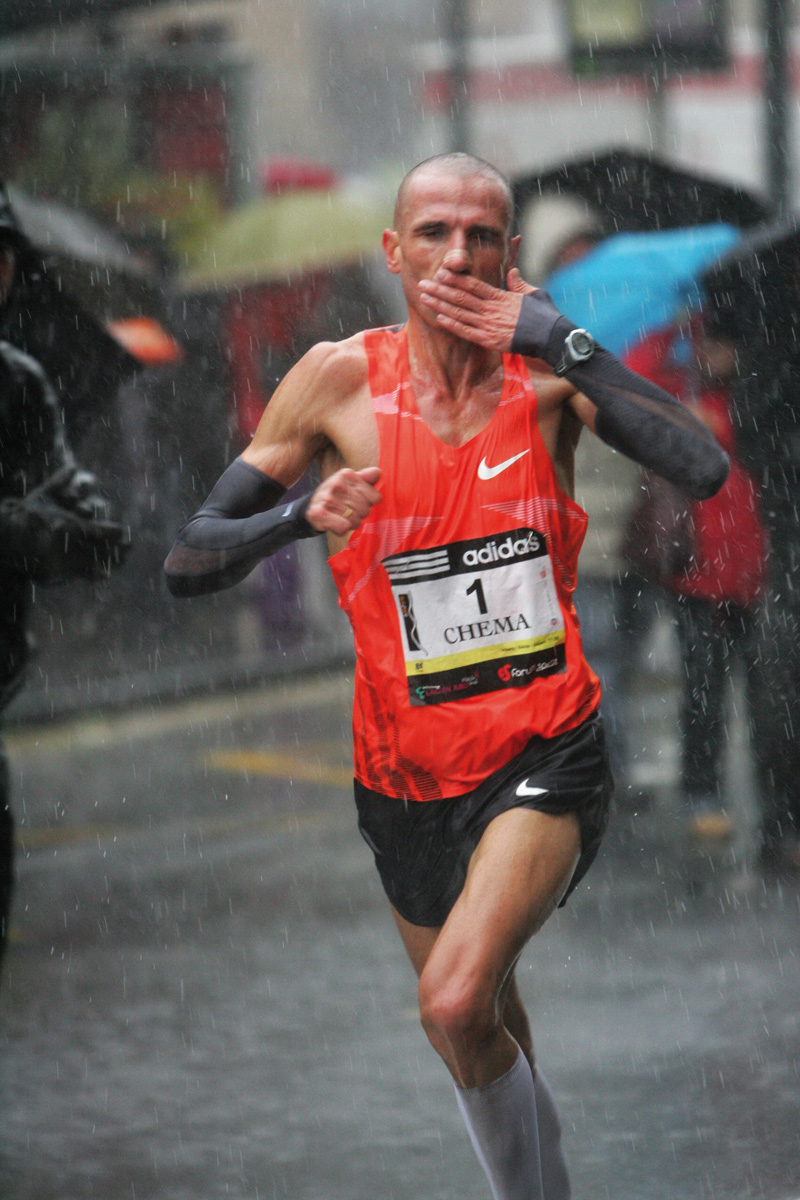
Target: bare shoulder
{"type": "Point", "coordinates": [311, 412]}
{"type": "Point", "coordinates": [339, 404]}
{"type": "Point", "coordinates": [330, 372]}
{"type": "Point", "coordinates": [326, 379]}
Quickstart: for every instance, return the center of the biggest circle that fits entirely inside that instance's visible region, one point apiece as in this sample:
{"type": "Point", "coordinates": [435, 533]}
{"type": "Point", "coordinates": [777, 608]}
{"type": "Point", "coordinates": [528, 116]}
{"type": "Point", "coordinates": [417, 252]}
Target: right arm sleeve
{"type": "Point", "coordinates": [238, 525]}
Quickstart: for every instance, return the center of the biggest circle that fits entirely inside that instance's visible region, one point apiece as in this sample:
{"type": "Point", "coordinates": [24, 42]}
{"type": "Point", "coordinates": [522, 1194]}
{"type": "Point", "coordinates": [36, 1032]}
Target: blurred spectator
{"type": "Point", "coordinates": [556, 231]}
{"type": "Point", "coordinates": [54, 524]}
{"type": "Point", "coordinates": [712, 558]}
{"type": "Point", "coordinates": [768, 430]}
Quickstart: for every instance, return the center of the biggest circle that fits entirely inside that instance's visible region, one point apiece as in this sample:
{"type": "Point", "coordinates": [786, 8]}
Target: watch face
{"type": "Point", "coordinates": [582, 343]}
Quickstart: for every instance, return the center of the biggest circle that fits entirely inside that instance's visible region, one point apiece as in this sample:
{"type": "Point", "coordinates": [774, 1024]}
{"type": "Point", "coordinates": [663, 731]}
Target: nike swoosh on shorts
{"type": "Point", "coordinates": [524, 790]}
{"type": "Point", "coordinates": [487, 472]}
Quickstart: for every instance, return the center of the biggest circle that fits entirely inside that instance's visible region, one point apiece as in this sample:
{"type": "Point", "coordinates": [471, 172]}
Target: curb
{"type": "Point", "coordinates": [170, 686]}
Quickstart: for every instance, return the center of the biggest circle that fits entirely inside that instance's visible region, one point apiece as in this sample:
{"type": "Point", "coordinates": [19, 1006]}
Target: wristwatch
{"type": "Point", "coordinates": [579, 346]}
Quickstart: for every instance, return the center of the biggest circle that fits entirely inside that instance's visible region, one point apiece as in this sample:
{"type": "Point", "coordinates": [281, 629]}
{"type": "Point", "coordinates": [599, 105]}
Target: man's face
{"type": "Point", "coordinates": [450, 220]}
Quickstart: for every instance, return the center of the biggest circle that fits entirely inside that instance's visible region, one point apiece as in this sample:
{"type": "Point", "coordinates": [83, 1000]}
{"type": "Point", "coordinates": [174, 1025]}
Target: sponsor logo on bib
{"type": "Point", "coordinates": [497, 551]}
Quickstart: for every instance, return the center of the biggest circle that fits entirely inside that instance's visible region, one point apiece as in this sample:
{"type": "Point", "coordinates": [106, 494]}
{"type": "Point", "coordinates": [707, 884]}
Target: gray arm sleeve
{"type": "Point", "coordinates": [634, 416]}
{"type": "Point", "coordinates": [237, 526]}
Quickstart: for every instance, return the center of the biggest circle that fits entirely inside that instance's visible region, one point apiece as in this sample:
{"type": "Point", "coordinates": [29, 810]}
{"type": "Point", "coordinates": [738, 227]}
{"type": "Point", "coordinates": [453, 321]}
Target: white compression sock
{"type": "Point", "coordinates": [502, 1125]}
{"type": "Point", "coordinates": [555, 1177]}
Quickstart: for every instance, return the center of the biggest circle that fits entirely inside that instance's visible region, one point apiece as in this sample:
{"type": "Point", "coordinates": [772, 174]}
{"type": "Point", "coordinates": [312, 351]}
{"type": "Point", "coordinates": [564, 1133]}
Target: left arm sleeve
{"type": "Point", "coordinates": [634, 416]}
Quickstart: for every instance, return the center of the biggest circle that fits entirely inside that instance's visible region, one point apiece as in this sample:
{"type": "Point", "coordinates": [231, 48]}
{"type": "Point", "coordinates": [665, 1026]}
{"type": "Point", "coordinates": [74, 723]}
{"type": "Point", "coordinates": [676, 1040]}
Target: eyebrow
{"type": "Point", "coordinates": [438, 223]}
{"type": "Point", "coordinates": [490, 229]}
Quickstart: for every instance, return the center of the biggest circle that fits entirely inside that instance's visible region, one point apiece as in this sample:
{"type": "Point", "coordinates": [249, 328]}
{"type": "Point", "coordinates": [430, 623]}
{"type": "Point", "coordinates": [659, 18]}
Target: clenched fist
{"type": "Point", "coordinates": [343, 500]}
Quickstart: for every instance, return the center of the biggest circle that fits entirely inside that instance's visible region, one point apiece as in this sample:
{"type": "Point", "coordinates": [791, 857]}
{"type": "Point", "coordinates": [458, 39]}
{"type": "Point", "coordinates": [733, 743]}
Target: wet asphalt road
{"type": "Point", "coordinates": [205, 996]}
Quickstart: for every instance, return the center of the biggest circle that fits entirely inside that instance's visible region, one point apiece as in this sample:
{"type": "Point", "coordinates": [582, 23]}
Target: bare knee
{"type": "Point", "coordinates": [458, 1014]}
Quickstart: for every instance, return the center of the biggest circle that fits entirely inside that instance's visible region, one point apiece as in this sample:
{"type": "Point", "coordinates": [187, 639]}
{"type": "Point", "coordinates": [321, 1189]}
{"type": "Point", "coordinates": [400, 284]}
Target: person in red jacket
{"type": "Point", "coordinates": [719, 584]}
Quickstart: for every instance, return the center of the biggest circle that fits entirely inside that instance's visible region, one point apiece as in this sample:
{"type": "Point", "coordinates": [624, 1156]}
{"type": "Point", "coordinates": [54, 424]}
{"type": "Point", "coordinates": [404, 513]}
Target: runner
{"type": "Point", "coordinates": [446, 454]}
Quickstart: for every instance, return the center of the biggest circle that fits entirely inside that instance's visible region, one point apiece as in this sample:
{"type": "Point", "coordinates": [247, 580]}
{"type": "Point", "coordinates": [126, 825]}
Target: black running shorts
{"type": "Point", "coordinates": [422, 848]}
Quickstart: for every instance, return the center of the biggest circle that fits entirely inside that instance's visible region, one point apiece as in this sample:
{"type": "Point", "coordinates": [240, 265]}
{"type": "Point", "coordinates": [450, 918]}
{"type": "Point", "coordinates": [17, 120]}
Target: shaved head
{"type": "Point", "coordinates": [462, 165]}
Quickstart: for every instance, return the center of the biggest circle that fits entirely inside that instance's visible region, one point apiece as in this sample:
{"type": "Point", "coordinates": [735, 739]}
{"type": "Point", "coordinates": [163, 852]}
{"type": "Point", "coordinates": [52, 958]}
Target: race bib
{"type": "Point", "coordinates": [477, 616]}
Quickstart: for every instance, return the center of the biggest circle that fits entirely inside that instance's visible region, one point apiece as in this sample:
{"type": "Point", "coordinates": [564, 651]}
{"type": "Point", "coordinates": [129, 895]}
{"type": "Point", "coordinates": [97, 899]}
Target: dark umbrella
{"type": "Point", "coordinates": [753, 295]}
{"type": "Point", "coordinates": [635, 192]}
{"type": "Point", "coordinates": [43, 317]}
{"type": "Point", "coordinates": [755, 288]}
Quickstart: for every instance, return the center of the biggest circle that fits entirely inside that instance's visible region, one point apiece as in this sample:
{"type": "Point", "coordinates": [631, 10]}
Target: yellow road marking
{"type": "Point", "coordinates": [277, 765]}
{"type": "Point", "coordinates": [97, 732]}
{"type": "Point", "coordinates": [56, 835]}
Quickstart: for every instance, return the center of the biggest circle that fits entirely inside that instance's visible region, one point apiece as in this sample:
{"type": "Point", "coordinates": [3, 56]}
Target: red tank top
{"type": "Point", "coordinates": [459, 589]}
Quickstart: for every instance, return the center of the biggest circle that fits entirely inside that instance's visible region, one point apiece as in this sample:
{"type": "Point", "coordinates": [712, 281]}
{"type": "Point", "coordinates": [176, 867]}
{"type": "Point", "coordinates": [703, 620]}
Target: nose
{"type": "Point", "coordinates": [457, 257]}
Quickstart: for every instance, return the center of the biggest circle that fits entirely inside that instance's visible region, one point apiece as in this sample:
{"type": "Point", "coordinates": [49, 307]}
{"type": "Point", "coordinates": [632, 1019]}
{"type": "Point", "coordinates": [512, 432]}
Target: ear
{"type": "Point", "coordinates": [391, 248]}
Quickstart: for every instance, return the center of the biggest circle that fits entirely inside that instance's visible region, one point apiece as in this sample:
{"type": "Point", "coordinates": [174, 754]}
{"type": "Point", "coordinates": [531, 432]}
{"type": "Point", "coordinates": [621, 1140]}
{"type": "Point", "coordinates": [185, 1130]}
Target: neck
{"type": "Point", "coordinates": [456, 385]}
{"type": "Point", "coordinates": [447, 364]}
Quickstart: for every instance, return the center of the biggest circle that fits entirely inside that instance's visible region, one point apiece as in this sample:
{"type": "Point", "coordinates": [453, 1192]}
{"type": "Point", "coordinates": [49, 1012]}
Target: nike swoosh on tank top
{"type": "Point", "coordinates": [460, 593]}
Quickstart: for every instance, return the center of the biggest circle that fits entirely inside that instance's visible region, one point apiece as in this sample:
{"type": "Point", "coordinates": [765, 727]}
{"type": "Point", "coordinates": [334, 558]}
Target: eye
{"type": "Point", "coordinates": [432, 231]}
{"type": "Point", "coordinates": [485, 237]}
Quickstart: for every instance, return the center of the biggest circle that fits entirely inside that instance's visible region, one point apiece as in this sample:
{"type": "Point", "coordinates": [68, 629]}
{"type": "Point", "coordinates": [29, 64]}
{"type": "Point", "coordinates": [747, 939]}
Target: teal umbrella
{"type": "Point", "coordinates": [633, 283]}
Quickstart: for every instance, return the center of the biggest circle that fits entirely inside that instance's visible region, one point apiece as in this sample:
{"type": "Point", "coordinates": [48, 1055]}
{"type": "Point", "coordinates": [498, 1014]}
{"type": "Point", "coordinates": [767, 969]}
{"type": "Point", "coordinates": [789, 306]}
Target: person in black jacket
{"type": "Point", "coordinates": [54, 523]}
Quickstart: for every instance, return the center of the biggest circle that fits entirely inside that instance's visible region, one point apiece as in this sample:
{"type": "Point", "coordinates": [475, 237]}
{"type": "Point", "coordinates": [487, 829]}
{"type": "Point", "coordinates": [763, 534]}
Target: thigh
{"type": "Point", "coordinates": [517, 875]}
